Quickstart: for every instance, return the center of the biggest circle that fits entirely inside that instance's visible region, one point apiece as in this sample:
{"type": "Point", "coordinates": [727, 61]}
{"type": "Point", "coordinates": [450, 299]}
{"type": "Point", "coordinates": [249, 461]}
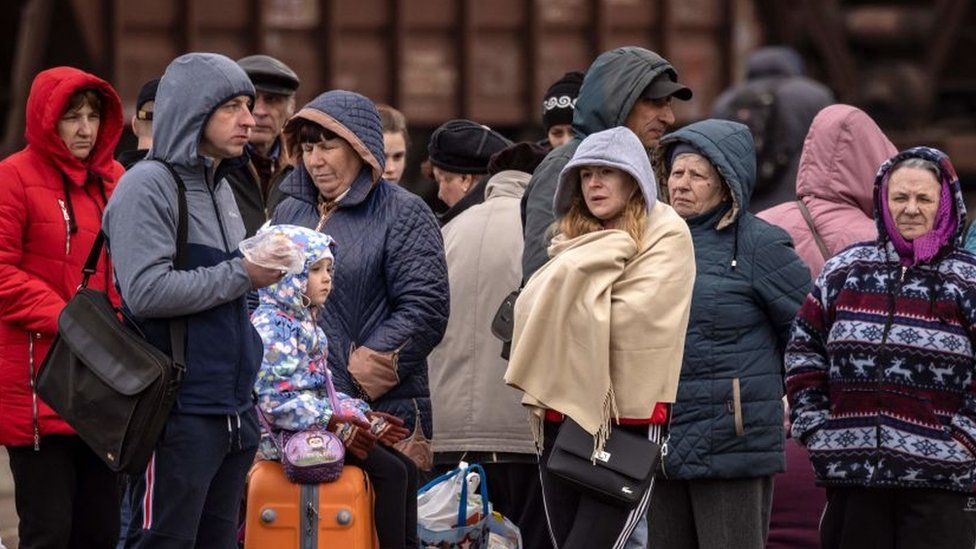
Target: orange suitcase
{"type": "Point", "coordinates": [282, 515]}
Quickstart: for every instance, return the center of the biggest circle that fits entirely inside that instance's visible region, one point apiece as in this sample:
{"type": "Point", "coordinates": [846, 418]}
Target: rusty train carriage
{"type": "Point", "coordinates": [492, 61]}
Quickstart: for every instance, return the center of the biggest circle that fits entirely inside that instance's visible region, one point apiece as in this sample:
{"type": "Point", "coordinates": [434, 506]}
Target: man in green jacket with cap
{"type": "Point", "coordinates": [626, 86]}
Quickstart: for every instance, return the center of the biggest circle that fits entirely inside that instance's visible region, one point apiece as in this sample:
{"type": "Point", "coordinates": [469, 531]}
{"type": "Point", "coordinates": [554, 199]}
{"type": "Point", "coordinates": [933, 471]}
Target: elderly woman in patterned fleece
{"type": "Point", "coordinates": [880, 369]}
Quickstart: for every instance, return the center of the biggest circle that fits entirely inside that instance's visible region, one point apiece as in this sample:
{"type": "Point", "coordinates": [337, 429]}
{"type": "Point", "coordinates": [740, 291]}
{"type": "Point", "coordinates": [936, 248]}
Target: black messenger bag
{"type": "Point", "coordinates": [114, 388]}
{"type": "Point", "coordinates": [619, 475]}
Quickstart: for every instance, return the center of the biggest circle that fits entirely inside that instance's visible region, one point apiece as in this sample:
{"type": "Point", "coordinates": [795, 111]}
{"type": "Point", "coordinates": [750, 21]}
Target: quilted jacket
{"type": "Point", "coordinates": [728, 418]}
{"type": "Point", "coordinates": [390, 285]}
{"type": "Point", "coordinates": [50, 212]}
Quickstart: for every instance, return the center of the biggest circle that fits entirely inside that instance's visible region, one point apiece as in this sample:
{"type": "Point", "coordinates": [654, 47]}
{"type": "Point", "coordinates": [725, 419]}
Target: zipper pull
{"type": "Point", "coordinates": [904, 269]}
{"type": "Point", "coordinates": [67, 227]}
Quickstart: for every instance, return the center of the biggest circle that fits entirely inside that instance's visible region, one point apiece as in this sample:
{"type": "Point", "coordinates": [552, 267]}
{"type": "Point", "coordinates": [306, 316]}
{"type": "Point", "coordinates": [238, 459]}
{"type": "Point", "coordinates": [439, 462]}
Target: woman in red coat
{"type": "Point", "coordinates": [52, 194]}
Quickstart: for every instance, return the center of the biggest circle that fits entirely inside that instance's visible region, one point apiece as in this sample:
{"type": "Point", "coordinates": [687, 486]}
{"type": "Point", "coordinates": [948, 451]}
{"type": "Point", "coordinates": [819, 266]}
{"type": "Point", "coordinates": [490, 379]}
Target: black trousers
{"type": "Point", "coordinates": [394, 478]}
{"type": "Point", "coordinates": [578, 521]}
{"type": "Point", "coordinates": [898, 518]}
{"type": "Point", "coordinates": [66, 496]}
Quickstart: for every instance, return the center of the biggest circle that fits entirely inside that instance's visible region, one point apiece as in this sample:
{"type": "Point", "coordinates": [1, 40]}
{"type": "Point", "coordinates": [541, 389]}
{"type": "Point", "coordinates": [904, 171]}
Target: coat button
{"type": "Point", "coordinates": [344, 518]}
{"type": "Point", "coordinates": [268, 516]}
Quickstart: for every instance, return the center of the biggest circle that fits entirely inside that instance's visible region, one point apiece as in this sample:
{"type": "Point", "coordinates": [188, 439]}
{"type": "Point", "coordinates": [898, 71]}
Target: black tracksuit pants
{"type": "Point", "coordinates": [190, 494]}
{"type": "Point", "coordinates": [66, 496]}
{"type": "Point", "coordinates": [578, 521]}
{"type": "Point", "coordinates": [898, 518]}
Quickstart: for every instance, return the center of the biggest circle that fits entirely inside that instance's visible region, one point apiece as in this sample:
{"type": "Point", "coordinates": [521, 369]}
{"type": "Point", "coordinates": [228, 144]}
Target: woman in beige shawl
{"type": "Point", "coordinates": [600, 329]}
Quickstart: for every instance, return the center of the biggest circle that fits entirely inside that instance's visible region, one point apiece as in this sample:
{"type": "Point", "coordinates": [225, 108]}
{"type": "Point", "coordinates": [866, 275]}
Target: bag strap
{"type": "Point", "coordinates": [462, 517]}
{"type": "Point", "coordinates": [177, 326]}
{"type": "Point", "coordinates": [813, 229]}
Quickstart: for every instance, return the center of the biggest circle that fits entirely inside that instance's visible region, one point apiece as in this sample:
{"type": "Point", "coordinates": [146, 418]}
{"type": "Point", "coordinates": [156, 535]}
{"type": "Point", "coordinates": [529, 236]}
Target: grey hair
{"type": "Point", "coordinates": [920, 164]}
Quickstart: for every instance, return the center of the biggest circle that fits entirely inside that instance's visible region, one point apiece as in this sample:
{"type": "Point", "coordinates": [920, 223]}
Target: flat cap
{"type": "Point", "coordinates": [269, 75]}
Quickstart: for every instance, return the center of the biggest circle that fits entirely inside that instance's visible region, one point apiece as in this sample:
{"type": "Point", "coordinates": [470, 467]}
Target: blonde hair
{"type": "Point", "coordinates": [579, 220]}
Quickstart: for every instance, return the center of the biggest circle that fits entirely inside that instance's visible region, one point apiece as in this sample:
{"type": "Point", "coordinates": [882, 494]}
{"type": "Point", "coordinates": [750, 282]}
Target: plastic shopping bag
{"type": "Point", "coordinates": [502, 533]}
{"type": "Point", "coordinates": [453, 510]}
{"type": "Point", "coordinates": [273, 249]}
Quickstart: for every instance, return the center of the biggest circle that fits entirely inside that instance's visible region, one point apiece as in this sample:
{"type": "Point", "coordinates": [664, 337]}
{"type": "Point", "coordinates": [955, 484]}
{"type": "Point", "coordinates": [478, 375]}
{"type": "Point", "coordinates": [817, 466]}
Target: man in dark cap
{"type": "Point", "coordinates": [558, 106]}
{"type": "Point", "coordinates": [460, 151]}
{"type": "Point", "coordinates": [627, 86]}
{"type": "Point", "coordinates": [142, 124]}
{"type": "Point", "coordinates": [255, 184]}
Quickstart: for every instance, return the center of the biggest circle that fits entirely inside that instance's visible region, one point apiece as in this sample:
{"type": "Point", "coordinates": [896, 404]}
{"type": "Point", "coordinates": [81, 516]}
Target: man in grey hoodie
{"type": "Point", "coordinates": [191, 491]}
{"type": "Point", "coordinates": [626, 86]}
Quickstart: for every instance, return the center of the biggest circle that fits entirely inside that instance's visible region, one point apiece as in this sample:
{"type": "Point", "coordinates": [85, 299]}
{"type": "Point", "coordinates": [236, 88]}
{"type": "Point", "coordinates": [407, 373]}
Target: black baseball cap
{"type": "Point", "coordinates": [146, 94]}
{"type": "Point", "coordinates": [664, 85]}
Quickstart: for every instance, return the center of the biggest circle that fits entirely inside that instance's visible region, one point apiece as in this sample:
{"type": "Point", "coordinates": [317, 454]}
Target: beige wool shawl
{"type": "Point", "coordinates": [600, 329]}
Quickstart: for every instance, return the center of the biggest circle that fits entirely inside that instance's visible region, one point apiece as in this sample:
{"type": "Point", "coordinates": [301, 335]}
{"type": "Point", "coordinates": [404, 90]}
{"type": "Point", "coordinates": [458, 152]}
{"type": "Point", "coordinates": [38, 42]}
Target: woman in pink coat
{"type": "Point", "coordinates": [834, 209]}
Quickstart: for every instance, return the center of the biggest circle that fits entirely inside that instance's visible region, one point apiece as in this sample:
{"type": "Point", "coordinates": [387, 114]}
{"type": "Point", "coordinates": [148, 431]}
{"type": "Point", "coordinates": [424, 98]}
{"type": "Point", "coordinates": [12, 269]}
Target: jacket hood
{"type": "Point", "coordinates": [950, 225]}
{"type": "Point", "coordinates": [180, 116]}
{"type": "Point", "coordinates": [728, 146]}
{"type": "Point", "coordinates": [510, 183]}
{"type": "Point", "coordinates": [774, 61]}
{"type": "Point", "coordinates": [841, 154]}
{"type": "Point", "coordinates": [617, 148]}
{"type": "Point", "coordinates": [352, 117]}
{"type": "Point", "coordinates": [288, 293]}
{"type": "Point", "coordinates": [49, 95]}
{"type": "Point", "coordinates": [612, 85]}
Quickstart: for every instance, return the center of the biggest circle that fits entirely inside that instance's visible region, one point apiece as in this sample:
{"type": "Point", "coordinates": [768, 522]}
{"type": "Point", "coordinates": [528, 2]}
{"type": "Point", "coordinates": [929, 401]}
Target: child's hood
{"type": "Point", "coordinates": [288, 293]}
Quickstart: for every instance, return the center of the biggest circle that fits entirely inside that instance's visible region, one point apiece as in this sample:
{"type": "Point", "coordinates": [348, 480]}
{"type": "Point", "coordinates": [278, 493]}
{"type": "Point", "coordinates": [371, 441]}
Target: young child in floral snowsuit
{"type": "Point", "coordinates": [292, 385]}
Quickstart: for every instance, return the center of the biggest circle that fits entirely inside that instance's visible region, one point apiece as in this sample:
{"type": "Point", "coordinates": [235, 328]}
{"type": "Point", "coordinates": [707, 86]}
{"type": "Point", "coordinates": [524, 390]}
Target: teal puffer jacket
{"type": "Point", "coordinates": [728, 418]}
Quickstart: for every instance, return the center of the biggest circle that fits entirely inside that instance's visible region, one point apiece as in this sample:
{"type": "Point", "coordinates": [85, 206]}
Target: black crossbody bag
{"type": "Point", "coordinates": [619, 475]}
{"type": "Point", "coordinates": [114, 388]}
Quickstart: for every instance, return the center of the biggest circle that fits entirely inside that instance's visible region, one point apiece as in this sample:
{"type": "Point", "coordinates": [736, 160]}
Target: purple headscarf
{"type": "Point", "coordinates": [925, 247]}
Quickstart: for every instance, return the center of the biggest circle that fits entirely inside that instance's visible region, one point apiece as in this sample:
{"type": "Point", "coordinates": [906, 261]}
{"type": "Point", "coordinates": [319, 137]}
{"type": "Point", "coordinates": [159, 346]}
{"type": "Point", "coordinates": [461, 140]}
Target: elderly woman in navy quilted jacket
{"type": "Point", "coordinates": [390, 304]}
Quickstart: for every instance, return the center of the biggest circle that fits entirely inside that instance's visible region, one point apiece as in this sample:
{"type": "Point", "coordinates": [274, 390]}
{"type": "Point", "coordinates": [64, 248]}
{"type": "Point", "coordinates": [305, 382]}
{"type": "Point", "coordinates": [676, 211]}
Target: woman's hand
{"type": "Point", "coordinates": [354, 433]}
{"type": "Point", "coordinates": [387, 428]}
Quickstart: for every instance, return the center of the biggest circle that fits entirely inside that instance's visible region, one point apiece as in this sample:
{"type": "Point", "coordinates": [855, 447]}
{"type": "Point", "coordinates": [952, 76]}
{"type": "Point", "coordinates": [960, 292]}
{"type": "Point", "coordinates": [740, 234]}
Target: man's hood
{"type": "Point", "coordinates": [728, 146]}
{"type": "Point", "coordinates": [840, 158]}
{"type": "Point", "coordinates": [191, 89]}
{"type": "Point", "coordinates": [617, 148]}
{"type": "Point", "coordinates": [354, 118]}
{"type": "Point", "coordinates": [49, 95]}
{"type": "Point", "coordinates": [287, 294]}
{"type": "Point", "coordinates": [612, 85]}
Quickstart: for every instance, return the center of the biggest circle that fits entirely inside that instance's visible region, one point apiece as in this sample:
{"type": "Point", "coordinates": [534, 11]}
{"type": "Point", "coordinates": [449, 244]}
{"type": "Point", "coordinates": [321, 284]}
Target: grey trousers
{"type": "Point", "coordinates": [710, 514]}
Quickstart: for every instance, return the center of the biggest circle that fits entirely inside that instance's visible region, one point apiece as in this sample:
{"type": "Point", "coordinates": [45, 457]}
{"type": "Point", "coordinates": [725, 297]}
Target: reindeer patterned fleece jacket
{"type": "Point", "coordinates": [880, 369]}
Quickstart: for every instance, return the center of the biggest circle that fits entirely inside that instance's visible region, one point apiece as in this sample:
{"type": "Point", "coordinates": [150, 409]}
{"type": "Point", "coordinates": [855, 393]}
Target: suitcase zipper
{"type": "Point", "coordinates": [310, 516]}
{"type": "Point", "coordinates": [33, 386]}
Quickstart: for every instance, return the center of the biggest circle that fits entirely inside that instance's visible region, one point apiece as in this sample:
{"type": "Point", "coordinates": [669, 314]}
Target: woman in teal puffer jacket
{"type": "Point", "coordinates": [727, 427]}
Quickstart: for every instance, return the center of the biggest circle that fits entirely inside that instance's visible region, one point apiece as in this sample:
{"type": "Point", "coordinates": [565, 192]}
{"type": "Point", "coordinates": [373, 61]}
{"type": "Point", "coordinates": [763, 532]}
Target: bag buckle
{"type": "Point", "coordinates": [601, 455]}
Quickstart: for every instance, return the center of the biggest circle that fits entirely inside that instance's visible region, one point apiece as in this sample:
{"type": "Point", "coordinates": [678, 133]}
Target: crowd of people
{"type": "Point", "coordinates": [776, 298]}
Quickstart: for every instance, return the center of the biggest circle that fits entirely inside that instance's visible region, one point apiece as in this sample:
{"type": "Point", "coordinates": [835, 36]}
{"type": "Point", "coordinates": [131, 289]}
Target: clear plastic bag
{"type": "Point", "coordinates": [273, 250]}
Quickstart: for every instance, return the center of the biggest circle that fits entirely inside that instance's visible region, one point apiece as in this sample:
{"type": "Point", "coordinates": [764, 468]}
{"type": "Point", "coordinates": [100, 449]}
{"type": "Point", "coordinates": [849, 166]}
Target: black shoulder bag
{"type": "Point", "coordinates": [102, 377]}
{"type": "Point", "coordinates": [619, 475]}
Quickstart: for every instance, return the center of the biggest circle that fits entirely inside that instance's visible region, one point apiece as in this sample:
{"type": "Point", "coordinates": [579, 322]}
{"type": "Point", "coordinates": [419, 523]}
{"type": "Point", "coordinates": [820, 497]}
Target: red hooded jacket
{"type": "Point", "coordinates": [42, 189]}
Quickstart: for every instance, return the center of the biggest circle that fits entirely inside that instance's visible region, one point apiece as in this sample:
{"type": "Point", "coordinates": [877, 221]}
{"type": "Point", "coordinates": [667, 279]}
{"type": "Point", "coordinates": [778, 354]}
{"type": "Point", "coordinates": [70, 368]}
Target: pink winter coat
{"type": "Point", "coordinates": [841, 155]}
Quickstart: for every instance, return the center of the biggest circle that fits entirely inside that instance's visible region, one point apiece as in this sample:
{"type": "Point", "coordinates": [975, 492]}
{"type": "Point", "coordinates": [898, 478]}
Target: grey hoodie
{"type": "Point", "coordinates": [617, 148]}
{"type": "Point", "coordinates": [223, 350]}
{"type": "Point", "coordinates": [612, 85]}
